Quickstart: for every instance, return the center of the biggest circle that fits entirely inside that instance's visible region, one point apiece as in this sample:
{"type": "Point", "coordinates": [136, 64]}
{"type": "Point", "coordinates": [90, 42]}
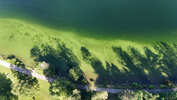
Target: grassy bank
{"type": "Point", "coordinates": [23, 39]}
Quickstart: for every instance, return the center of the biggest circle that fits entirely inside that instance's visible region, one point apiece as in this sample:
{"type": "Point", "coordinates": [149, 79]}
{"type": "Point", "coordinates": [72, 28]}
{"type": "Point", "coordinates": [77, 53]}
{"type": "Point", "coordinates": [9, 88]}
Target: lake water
{"type": "Point", "coordinates": [111, 19]}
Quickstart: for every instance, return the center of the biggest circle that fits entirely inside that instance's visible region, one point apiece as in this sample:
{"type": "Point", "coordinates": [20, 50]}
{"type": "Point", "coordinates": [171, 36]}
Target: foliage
{"type": "Point", "coordinates": [168, 96]}
{"type": "Point", "coordinates": [161, 86]}
{"type": "Point", "coordinates": [3, 97]}
{"type": "Point", "coordinates": [73, 86]}
{"type": "Point", "coordinates": [84, 82]}
{"type": "Point", "coordinates": [139, 87]}
{"type": "Point", "coordinates": [92, 86]}
{"type": "Point", "coordinates": [127, 95]}
{"type": "Point", "coordinates": [123, 84]}
{"type": "Point", "coordinates": [85, 95]}
{"type": "Point", "coordinates": [61, 89]}
{"type": "Point", "coordinates": [74, 73]}
{"type": "Point", "coordinates": [151, 86]}
{"type": "Point", "coordinates": [144, 95]}
{"type": "Point", "coordinates": [26, 88]}
{"type": "Point", "coordinates": [51, 71]}
{"type": "Point", "coordinates": [134, 84]}
{"type": "Point", "coordinates": [5, 88]}
{"type": "Point", "coordinates": [76, 95]}
{"type": "Point", "coordinates": [43, 65]}
{"type": "Point", "coordinates": [103, 95]}
{"type": "Point", "coordinates": [145, 86]}
{"type": "Point", "coordinates": [172, 85]}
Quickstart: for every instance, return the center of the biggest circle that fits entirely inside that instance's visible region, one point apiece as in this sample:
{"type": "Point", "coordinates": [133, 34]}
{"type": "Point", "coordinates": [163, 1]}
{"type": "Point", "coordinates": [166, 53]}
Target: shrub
{"type": "Point", "coordinates": [134, 84]}
{"type": "Point", "coordinates": [161, 86]}
{"type": "Point", "coordinates": [116, 84]}
{"type": "Point", "coordinates": [151, 86]}
{"type": "Point", "coordinates": [145, 86]}
{"type": "Point", "coordinates": [84, 82]}
{"type": "Point", "coordinates": [8, 60]}
{"type": "Point", "coordinates": [106, 83]}
{"type": "Point", "coordinates": [172, 85]}
{"type": "Point", "coordinates": [17, 63]}
{"type": "Point", "coordinates": [123, 84]}
{"type": "Point", "coordinates": [139, 86]}
{"type": "Point", "coordinates": [165, 86]}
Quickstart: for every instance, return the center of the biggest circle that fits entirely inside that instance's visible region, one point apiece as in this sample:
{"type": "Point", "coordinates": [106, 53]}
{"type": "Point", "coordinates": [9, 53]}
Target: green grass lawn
{"type": "Point", "coordinates": [44, 86]}
{"type": "Point", "coordinates": [19, 37]}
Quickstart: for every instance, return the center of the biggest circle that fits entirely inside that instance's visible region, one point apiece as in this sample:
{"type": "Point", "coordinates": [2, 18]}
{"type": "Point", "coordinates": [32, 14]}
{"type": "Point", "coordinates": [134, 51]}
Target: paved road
{"type": "Point", "coordinates": [42, 77]}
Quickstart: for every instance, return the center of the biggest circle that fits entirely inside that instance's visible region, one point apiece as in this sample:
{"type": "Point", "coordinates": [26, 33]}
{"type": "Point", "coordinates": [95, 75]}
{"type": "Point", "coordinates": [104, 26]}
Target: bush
{"type": "Point", "coordinates": [161, 86]}
{"type": "Point", "coordinates": [165, 86]}
{"type": "Point", "coordinates": [151, 86]}
{"type": "Point", "coordinates": [116, 84]}
{"type": "Point", "coordinates": [172, 85]}
{"type": "Point", "coordinates": [8, 60]}
{"type": "Point", "coordinates": [123, 84]}
{"type": "Point", "coordinates": [139, 86]}
{"type": "Point", "coordinates": [145, 86]}
{"type": "Point", "coordinates": [84, 82]}
{"type": "Point", "coordinates": [134, 84]}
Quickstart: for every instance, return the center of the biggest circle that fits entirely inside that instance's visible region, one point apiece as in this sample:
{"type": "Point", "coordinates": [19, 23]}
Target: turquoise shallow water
{"type": "Point", "coordinates": [111, 19]}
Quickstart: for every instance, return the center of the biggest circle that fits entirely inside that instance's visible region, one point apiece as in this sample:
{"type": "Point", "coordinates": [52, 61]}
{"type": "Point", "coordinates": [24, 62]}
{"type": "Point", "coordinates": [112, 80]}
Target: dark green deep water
{"type": "Point", "coordinates": [99, 18]}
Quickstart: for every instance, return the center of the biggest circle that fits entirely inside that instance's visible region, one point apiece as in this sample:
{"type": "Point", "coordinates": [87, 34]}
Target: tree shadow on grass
{"type": "Point", "coordinates": [151, 67]}
{"type": "Point", "coordinates": [5, 88]}
{"type": "Point", "coordinates": [168, 59]}
{"type": "Point", "coordinates": [143, 69]}
{"type": "Point", "coordinates": [60, 56]}
{"type": "Point", "coordinates": [109, 73]}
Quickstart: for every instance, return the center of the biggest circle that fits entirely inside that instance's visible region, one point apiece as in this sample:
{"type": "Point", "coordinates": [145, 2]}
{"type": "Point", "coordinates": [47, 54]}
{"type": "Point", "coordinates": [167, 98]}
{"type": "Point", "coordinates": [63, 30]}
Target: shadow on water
{"type": "Point", "coordinates": [147, 68]}
{"type": "Point", "coordinates": [60, 56]}
{"type": "Point", "coordinates": [5, 88]}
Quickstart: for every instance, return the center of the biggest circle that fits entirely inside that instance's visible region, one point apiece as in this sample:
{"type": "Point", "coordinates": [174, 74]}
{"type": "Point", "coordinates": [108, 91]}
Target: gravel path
{"type": "Point", "coordinates": [42, 77]}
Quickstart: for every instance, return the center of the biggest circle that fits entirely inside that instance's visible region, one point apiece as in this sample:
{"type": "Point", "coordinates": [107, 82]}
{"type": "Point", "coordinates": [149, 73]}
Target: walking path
{"type": "Point", "coordinates": [109, 90]}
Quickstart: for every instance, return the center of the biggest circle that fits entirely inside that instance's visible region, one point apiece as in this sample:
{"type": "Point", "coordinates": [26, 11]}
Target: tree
{"type": "Point", "coordinates": [92, 86]}
{"type": "Point", "coordinates": [144, 95]}
{"type": "Point", "coordinates": [103, 95]}
{"type": "Point", "coordinates": [43, 65]}
{"type": "Point", "coordinates": [27, 87]}
{"type": "Point", "coordinates": [5, 88]}
{"type": "Point", "coordinates": [74, 73]}
{"type": "Point", "coordinates": [75, 95]}
{"type": "Point", "coordinates": [60, 89]}
{"type": "Point", "coordinates": [50, 71]}
{"type": "Point", "coordinates": [127, 95]}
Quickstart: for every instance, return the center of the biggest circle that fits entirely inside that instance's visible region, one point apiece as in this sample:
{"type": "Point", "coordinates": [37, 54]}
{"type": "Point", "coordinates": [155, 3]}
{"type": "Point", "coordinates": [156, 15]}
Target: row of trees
{"type": "Point", "coordinates": [64, 89]}
{"type": "Point", "coordinates": [144, 95]}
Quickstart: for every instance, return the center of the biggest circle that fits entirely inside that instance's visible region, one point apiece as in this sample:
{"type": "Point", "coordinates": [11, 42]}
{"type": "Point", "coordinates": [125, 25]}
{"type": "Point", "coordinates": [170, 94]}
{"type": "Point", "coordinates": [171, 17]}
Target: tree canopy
{"type": "Point", "coordinates": [103, 95]}
{"type": "Point", "coordinates": [74, 73]}
{"type": "Point", "coordinates": [27, 86]}
{"type": "Point", "coordinates": [61, 88]}
{"type": "Point", "coordinates": [5, 88]}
